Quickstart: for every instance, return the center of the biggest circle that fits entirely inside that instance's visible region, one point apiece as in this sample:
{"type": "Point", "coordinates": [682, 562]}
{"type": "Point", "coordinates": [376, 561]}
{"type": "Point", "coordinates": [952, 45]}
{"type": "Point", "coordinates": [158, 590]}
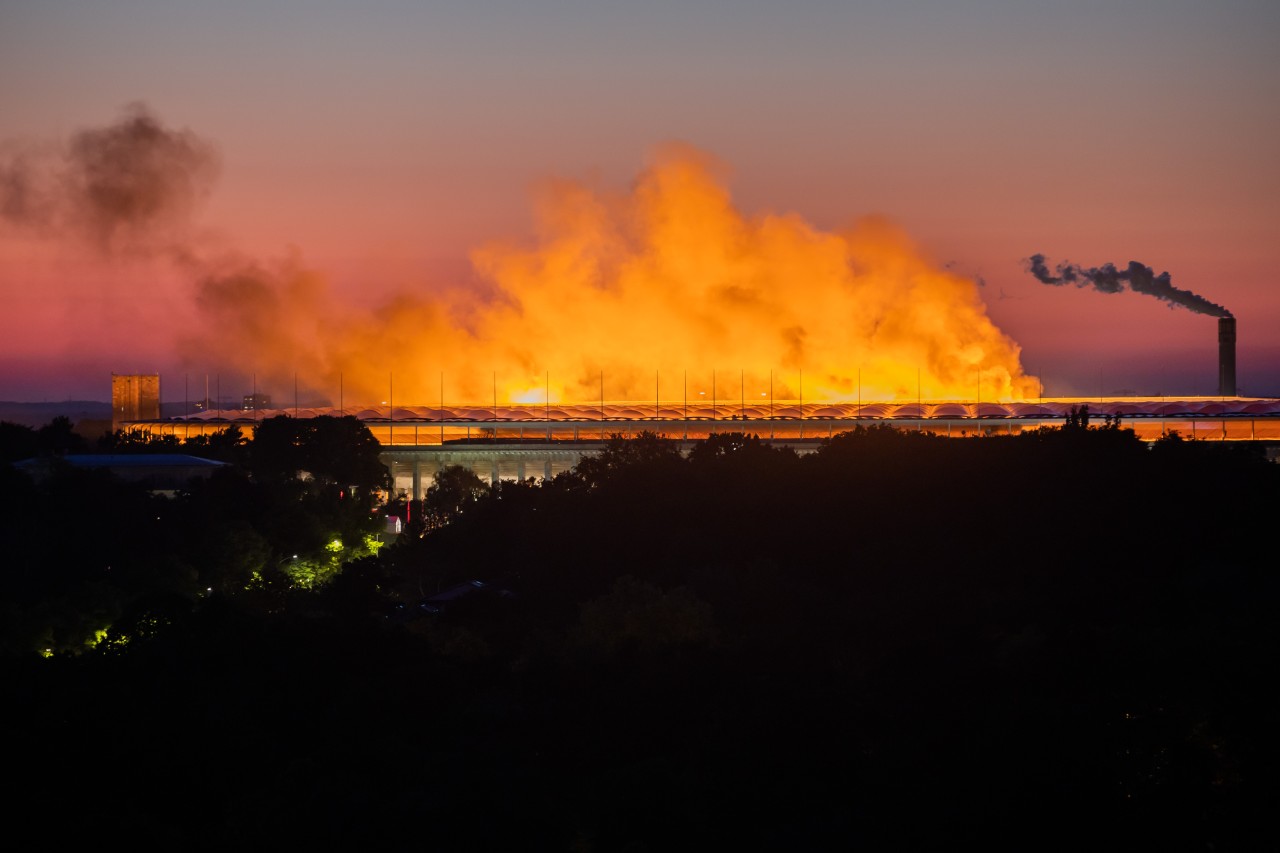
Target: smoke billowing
{"type": "Point", "coordinates": [1138, 278]}
{"type": "Point", "coordinates": [665, 289]}
{"type": "Point", "coordinates": [127, 188]}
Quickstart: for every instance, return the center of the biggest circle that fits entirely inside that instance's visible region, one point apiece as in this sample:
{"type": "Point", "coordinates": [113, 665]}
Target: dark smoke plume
{"type": "Point", "coordinates": [1138, 278]}
{"type": "Point", "coordinates": [128, 187]}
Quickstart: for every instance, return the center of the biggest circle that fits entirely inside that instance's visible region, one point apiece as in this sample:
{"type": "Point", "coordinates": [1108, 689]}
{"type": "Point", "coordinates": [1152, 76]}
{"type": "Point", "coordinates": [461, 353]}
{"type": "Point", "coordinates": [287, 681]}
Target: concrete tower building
{"type": "Point", "coordinates": [134, 397]}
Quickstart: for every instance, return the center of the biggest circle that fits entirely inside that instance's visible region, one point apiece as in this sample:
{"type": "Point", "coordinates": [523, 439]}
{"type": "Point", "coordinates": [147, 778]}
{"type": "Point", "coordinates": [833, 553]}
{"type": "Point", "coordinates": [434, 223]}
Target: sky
{"type": "Point", "coordinates": [378, 153]}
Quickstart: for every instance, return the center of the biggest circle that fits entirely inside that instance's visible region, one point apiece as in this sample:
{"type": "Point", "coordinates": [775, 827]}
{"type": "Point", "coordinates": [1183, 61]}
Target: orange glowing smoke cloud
{"type": "Point", "coordinates": [650, 292]}
{"type": "Point", "coordinates": [666, 291]}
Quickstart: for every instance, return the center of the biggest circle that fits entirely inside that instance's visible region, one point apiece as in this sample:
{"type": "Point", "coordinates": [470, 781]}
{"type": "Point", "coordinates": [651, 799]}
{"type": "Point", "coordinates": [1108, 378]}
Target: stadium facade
{"type": "Point", "coordinates": [520, 441]}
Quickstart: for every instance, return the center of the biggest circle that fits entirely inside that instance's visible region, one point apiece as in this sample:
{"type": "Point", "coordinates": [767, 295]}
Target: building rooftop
{"type": "Point", "coordinates": [727, 409]}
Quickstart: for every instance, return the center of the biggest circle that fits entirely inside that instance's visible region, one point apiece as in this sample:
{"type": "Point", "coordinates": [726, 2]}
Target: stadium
{"type": "Point", "coordinates": [519, 441]}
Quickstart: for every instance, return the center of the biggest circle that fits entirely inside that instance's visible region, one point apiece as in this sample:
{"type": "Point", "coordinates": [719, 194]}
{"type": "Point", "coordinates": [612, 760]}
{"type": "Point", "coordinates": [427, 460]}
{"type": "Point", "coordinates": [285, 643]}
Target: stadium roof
{"type": "Point", "coordinates": [782, 410]}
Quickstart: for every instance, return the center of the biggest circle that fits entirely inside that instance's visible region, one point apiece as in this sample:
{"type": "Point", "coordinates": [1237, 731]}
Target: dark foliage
{"type": "Point", "coordinates": [1047, 641]}
{"type": "Point", "coordinates": [56, 438]}
{"type": "Point", "coordinates": [83, 547]}
{"type": "Point", "coordinates": [336, 452]}
{"type": "Point", "coordinates": [225, 445]}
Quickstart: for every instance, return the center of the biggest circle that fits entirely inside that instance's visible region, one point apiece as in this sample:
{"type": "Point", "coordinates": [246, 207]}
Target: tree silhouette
{"type": "Point", "coordinates": [455, 488]}
{"type": "Point", "coordinates": [59, 437]}
{"type": "Point", "coordinates": [336, 453]}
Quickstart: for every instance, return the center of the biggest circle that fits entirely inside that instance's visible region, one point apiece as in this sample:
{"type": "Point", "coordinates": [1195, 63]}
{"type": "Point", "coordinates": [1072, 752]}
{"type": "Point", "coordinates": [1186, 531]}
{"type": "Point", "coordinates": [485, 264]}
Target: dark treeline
{"type": "Point", "coordinates": [85, 549]}
{"type": "Point", "coordinates": [900, 641]}
{"type": "Point", "coordinates": [57, 437]}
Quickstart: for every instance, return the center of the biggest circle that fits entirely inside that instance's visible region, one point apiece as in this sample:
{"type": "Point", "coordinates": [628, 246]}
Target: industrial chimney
{"type": "Point", "coordinates": [1227, 357]}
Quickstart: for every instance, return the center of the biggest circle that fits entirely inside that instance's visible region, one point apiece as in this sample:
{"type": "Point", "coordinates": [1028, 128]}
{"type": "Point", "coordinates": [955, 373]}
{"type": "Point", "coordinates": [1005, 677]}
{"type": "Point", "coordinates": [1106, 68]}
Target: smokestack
{"type": "Point", "coordinates": [1227, 357]}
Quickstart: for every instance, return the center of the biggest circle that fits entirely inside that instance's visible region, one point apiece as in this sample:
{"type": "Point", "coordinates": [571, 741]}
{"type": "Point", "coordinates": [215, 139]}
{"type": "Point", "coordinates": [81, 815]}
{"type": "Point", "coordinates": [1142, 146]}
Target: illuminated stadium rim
{"type": "Point", "coordinates": [726, 411]}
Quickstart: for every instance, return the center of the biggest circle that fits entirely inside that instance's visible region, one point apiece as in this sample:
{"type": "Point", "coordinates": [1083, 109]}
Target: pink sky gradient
{"type": "Point", "coordinates": [384, 146]}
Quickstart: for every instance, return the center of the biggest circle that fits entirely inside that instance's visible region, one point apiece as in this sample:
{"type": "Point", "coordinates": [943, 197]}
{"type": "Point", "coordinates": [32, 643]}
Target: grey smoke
{"type": "Point", "coordinates": [130, 186]}
{"type": "Point", "coordinates": [1138, 277]}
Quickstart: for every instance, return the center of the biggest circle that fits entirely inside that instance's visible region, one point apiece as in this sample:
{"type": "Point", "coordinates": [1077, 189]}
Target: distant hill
{"type": "Point", "coordinates": [91, 411]}
{"type": "Point", "coordinates": [39, 414]}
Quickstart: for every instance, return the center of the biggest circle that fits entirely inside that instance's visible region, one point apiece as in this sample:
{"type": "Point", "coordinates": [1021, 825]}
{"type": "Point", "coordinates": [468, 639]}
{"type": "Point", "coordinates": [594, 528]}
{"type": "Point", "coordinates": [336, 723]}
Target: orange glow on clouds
{"type": "Point", "coordinates": [667, 285]}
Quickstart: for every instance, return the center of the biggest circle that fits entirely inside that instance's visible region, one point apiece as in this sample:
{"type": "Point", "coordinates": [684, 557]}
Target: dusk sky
{"type": "Point", "coordinates": [379, 146]}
